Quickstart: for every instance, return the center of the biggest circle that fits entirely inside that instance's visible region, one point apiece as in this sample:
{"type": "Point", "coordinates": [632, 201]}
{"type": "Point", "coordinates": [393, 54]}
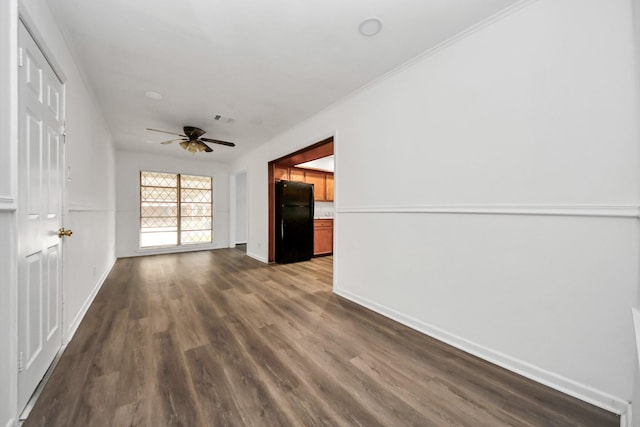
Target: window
{"type": "Point", "coordinates": [175, 209]}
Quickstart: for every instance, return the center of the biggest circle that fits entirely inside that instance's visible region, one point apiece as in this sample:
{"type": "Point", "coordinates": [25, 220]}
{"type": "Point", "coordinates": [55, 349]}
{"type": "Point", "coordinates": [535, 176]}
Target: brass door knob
{"type": "Point", "coordinates": [63, 232]}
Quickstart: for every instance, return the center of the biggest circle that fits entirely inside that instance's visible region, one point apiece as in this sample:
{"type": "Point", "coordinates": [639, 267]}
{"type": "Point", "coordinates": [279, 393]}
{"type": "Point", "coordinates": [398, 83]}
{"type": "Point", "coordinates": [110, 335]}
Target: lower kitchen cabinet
{"type": "Point", "coordinates": [322, 236]}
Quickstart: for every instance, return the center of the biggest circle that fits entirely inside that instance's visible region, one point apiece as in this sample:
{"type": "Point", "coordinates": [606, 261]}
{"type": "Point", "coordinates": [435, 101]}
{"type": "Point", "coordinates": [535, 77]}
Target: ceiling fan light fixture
{"type": "Point", "coordinates": [192, 140]}
{"type": "Point", "coordinates": [193, 147]}
{"type": "Point", "coordinates": [370, 27]}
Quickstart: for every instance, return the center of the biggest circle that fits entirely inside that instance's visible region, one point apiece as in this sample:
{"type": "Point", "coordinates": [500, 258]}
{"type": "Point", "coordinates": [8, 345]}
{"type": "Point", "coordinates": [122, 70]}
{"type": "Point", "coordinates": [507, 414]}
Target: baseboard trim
{"type": "Point", "coordinates": [73, 327]}
{"type": "Point", "coordinates": [171, 250]}
{"type": "Point", "coordinates": [258, 257]}
{"type": "Point", "coordinates": [557, 382]}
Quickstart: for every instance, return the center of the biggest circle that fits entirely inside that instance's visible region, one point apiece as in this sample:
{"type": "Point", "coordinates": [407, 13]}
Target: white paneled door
{"type": "Point", "coordinates": [40, 157]}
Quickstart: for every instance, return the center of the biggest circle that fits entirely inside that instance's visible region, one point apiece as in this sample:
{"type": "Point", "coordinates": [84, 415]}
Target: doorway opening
{"type": "Point", "coordinates": [241, 227]}
{"type": "Point", "coordinates": [296, 167]}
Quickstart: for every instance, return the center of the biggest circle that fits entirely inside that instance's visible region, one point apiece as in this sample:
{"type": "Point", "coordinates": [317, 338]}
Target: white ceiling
{"type": "Point", "coordinates": [323, 164]}
{"type": "Point", "coordinates": [267, 64]}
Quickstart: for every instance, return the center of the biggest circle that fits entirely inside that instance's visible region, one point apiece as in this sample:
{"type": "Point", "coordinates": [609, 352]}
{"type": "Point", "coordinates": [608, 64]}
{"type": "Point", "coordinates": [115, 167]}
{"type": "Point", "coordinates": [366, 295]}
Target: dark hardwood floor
{"type": "Point", "coordinates": [219, 339]}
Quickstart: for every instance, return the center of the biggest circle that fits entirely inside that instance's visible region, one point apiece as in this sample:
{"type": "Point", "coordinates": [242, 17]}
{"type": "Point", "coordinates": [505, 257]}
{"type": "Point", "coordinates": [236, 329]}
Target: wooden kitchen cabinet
{"type": "Point", "coordinates": [322, 181]}
{"type": "Point", "coordinates": [322, 236]}
{"type": "Point", "coordinates": [280, 173]}
{"type": "Point", "coordinates": [318, 180]}
{"type": "Point", "coordinates": [297, 175]}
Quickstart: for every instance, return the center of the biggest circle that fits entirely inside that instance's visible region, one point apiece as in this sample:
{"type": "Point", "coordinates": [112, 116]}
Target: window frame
{"type": "Point", "coordinates": [178, 229]}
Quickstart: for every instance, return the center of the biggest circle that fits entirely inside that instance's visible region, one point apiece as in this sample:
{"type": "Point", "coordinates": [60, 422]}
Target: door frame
{"type": "Point", "coordinates": [32, 28]}
{"type": "Point", "coordinates": [233, 206]}
{"type": "Point", "coordinates": [320, 149]}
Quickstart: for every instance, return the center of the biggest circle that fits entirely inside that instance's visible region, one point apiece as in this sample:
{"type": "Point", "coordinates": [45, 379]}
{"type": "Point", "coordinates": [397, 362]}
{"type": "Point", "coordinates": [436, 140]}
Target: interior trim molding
{"type": "Point", "coordinates": [258, 257]}
{"type": "Point", "coordinates": [88, 209]}
{"type": "Point", "coordinates": [611, 211]}
{"type": "Point", "coordinates": [565, 385]}
{"type": "Point", "coordinates": [7, 203]}
{"type": "Point", "coordinates": [73, 327]}
{"type": "Point", "coordinates": [172, 250]}
{"type": "Point", "coordinates": [626, 419]}
{"type": "Point", "coordinates": [636, 326]}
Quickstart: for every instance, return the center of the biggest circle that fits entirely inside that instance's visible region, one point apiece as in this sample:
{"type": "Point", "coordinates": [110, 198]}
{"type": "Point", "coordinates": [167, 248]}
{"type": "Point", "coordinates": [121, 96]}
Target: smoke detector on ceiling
{"type": "Point", "coordinates": [370, 26]}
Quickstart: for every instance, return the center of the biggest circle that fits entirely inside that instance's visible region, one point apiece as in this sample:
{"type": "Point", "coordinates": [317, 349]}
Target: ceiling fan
{"type": "Point", "coordinates": [192, 140]}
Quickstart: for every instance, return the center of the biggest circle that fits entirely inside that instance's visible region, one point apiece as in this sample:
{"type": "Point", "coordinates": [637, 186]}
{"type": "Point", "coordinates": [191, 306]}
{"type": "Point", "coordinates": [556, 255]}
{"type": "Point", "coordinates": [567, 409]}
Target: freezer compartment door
{"type": "Point", "coordinates": [296, 194]}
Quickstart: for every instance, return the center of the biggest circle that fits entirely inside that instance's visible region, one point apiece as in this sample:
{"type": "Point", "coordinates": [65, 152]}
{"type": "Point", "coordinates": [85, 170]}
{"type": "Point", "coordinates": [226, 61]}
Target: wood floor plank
{"type": "Point", "coordinates": [215, 338]}
{"type": "Point", "coordinates": [212, 389]}
{"type": "Point", "coordinates": [174, 389]}
{"type": "Point", "coordinates": [284, 384]}
{"type": "Point", "coordinates": [137, 368]}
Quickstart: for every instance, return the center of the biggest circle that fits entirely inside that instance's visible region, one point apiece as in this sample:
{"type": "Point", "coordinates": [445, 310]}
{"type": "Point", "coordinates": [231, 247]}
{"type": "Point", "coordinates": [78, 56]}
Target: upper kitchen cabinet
{"type": "Point", "coordinates": [322, 181]}
{"type": "Point", "coordinates": [297, 175]}
{"type": "Point", "coordinates": [329, 187]}
{"type": "Point", "coordinates": [319, 187]}
{"type": "Point", "coordinates": [280, 173]}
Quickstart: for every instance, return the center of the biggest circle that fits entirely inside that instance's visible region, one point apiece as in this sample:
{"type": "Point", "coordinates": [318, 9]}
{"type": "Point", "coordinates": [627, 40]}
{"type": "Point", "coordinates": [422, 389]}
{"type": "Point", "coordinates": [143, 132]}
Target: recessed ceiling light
{"type": "Point", "coordinates": [154, 95]}
{"type": "Point", "coordinates": [370, 26]}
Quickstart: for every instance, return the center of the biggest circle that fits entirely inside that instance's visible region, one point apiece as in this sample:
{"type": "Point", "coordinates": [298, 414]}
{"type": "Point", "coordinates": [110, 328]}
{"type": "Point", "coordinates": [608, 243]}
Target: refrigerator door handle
{"type": "Point", "coordinates": [282, 229]}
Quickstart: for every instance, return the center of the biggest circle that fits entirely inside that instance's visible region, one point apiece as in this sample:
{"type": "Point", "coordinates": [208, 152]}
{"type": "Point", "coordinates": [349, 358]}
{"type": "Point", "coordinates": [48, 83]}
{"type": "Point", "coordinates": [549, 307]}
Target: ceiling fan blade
{"type": "Point", "coordinates": [193, 132]}
{"type": "Point", "coordinates": [172, 140]}
{"type": "Point", "coordinates": [205, 147]}
{"type": "Point", "coordinates": [170, 133]}
{"type": "Point", "coordinates": [217, 141]}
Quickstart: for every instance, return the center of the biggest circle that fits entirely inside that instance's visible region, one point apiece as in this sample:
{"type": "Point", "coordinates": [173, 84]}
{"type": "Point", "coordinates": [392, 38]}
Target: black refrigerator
{"type": "Point", "coordinates": [294, 221]}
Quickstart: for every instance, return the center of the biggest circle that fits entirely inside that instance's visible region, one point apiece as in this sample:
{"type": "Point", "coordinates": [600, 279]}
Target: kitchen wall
{"type": "Point", "coordinates": [129, 164]}
{"type": "Point", "coordinates": [503, 217]}
{"type": "Point", "coordinates": [90, 198]}
{"type": "Point", "coordinates": [323, 210]}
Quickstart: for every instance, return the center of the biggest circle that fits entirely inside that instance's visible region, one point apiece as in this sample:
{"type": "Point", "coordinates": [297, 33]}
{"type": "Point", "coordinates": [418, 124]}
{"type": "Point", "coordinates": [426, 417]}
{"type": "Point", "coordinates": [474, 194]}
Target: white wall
{"type": "Point", "coordinates": [129, 165]}
{"type": "Point", "coordinates": [89, 197]}
{"type": "Point", "coordinates": [241, 208]}
{"type": "Point", "coordinates": [487, 194]}
{"type": "Point", "coordinates": [8, 321]}
{"type": "Point", "coordinates": [8, 248]}
{"type": "Point", "coordinates": [90, 189]}
{"type": "Point", "coordinates": [636, 385]}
